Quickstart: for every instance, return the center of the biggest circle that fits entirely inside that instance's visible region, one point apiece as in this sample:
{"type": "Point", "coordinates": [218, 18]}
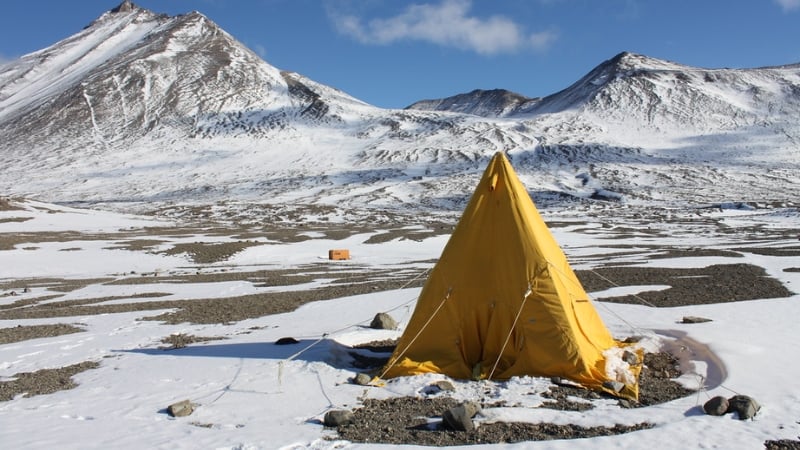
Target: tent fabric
{"type": "Point", "coordinates": [502, 300]}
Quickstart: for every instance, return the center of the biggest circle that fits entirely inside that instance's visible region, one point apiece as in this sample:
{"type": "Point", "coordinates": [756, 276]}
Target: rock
{"type": "Point", "coordinates": [744, 406]}
{"type": "Point", "coordinates": [444, 385]}
{"type": "Point", "coordinates": [630, 357]}
{"type": "Point", "coordinates": [437, 387]}
{"type": "Point", "coordinates": [180, 409]}
{"type": "Point", "coordinates": [383, 321]}
{"type": "Point", "coordinates": [614, 385]}
{"type": "Point", "coordinates": [625, 403]}
{"type": "Point", "coordinates": [717, 406]}
{"type": "Point", "coordinates": [694, 319]}
{"type": "Point", "coordinates": [337, 417]}
{"type": "Point", "coordinates": [362, 379]}
{"type": "Point", "coordinates": [459, 418]}
{"type": "Point", "coordinates": [286, 341]}
{"type": "Point", "coordinates": [472, 408]}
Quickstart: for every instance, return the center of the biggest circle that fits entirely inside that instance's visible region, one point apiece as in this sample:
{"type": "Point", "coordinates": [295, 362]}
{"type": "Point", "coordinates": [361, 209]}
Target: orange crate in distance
{"type": "Point", "coordinates": [338, 254]}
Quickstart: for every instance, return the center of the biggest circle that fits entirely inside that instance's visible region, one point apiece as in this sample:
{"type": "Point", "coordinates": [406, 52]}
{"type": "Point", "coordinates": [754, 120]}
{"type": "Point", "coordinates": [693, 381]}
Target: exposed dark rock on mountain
{"type": "Point", "coordinates": [492, 103]}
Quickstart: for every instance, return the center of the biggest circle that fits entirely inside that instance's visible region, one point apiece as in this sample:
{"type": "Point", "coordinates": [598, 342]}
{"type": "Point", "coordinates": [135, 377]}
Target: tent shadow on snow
{"type": "Point", "coordinates": [327, 350]}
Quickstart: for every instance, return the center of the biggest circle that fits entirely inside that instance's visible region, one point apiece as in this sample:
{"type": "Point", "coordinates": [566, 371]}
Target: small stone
{"type": "Point", "coordinates": [337, 417]}
{"type": "Point", "coordinates": [613, 385]}
{"type": "Point", "coordinates": [286, 341]}
{"type": "Point", "coordinates": [694, 319]}
{"type": "Point", "coordinates": [362, 379]}
{"type": "Point", "coordinates": [744, 406]}
{"type": "Point", "coordinates": [383, 321]}
{"type": "Point", "coordinates": [444, 385]}
{"type": "Point", "coordinates": [630, 357]}
{"type": "Point", "coordinates": [624, 403]}
{"type": "Point", "coordinates": [717, 406]}
{"type": "Point", "coordinates": [180, 409]}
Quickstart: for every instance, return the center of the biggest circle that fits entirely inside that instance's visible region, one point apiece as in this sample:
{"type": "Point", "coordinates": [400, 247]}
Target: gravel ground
{"type": "Point", "coordinates": [41, 382]}
{"type": "Point", "coordinates": [411, 420]}
{"type": "Point", "coordinates": [406, 420]}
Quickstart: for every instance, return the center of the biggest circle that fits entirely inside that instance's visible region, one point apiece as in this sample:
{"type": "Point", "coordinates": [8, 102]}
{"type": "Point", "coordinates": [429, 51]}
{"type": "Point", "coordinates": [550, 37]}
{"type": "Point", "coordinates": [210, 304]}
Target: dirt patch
{"type": "Point", "coordinates": [176, 341]}
{"type": "Point", "coordinates": [695, 253]}
{"type": "Point", "coordinates": [413, 421]}
{"type": "Point", "coordinates": [15, 219]}
{"type": "Point", "coordinates": [23, 333]}
{"type": "Point", "coordinates": [782, 444]}
{"type": "Point", "coordinates": [9, 241]}
{"type": "Point", "coordinates": [773, 251]}
{"type": "Point", "coordinates": [209, 253]}
{"type": "Point", "coordinates": [53, 284]}
{"type": "Point", "coordinates": [415, 234]}
{"type": "Point", "coordinates": [136, 245]}
{"type": "Point", "coordinates": [44, 381]}
{"type": "Point", "coordinates": [33, 309]}
{"type": "Point", "coordinates": [707, 285]}
{"type": "Point", "coordinates": [6, 204]}
{"type": "Point", "coordinates": [344, 280]}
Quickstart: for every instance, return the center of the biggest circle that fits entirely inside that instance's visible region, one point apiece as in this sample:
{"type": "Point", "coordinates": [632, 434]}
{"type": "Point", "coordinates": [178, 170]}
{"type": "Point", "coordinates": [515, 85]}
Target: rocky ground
{"type": "Point", "coordinates": [418, 420]}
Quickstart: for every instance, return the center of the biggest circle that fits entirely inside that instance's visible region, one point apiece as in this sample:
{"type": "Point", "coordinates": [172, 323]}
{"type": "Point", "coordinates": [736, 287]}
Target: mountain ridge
{"type": "Point", "coordinates": [142, 107]}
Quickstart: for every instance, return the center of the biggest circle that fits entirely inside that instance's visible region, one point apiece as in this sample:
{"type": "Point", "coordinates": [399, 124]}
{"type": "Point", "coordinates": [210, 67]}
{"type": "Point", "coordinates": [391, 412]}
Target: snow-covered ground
{"type": "Point", "coordinates": [252, 394]}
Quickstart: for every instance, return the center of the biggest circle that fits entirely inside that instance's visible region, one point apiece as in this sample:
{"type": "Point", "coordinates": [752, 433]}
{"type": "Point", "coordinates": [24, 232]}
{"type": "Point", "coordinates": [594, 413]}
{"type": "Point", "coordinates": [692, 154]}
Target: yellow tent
{"type": "Point", "coordinates": [502, 300]}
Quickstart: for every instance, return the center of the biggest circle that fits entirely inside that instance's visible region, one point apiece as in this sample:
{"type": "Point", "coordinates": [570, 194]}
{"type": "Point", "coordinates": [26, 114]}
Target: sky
{"type": "Point", "coordinates": [393, 53]}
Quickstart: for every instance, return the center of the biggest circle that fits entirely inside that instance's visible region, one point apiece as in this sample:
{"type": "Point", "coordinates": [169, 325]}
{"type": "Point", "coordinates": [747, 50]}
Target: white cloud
{"type": "Point", "coordinates": [789, 5]}
{"type": "Point", "coordinates": [449, 24]}
{"type": "Point", "coordinates": [260, 50]}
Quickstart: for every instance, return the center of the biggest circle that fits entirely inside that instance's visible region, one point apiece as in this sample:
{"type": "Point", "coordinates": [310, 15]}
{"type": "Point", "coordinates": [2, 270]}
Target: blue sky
{"type": "Point", "coordinates": [391, 53]}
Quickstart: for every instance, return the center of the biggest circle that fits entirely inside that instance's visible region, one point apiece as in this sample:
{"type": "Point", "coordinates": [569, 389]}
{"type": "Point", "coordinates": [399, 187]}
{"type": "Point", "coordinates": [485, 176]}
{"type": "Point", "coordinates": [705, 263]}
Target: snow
{"type": "Point", "coordinates": [253, 394]}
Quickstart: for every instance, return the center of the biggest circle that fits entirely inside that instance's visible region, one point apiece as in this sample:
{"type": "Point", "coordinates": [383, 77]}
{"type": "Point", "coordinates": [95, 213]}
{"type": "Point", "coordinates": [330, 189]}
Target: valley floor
{"type": "Point", "coordinates": [84, 292]}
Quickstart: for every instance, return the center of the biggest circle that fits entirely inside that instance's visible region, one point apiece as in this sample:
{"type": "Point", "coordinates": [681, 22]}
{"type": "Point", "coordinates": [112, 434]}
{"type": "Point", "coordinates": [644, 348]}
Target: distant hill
{"type": "Point", "coordinates": [491, 103]}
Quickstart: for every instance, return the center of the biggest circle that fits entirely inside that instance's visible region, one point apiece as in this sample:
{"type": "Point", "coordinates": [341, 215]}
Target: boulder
{"type": "Point", "coordinates": [717, 406]}
{"type": "Point", "coordinates": [383, 321]}
{"type": "Point", "coordinates": [181, 409]}
{"type": "Point", "coordinates": [337, 417]}
{"type": "Point", "coordinates": [744, 406]}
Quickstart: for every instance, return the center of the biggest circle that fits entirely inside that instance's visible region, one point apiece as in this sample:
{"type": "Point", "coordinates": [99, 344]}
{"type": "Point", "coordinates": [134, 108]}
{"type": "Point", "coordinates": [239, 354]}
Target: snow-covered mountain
{"type": "Point", "coordinates": [140, 108]}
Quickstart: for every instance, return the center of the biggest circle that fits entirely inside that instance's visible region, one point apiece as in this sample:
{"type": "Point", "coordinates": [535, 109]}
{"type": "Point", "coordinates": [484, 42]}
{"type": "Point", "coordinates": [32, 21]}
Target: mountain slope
{"type": "Point", "coordinates": [491, 103]}
{"type": "Point", "coordinates": [141, 108]}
